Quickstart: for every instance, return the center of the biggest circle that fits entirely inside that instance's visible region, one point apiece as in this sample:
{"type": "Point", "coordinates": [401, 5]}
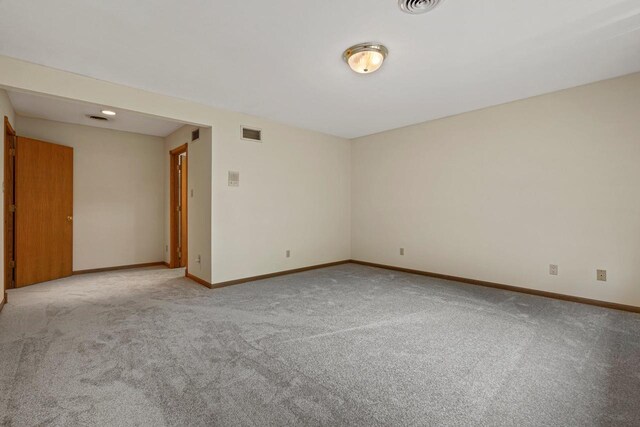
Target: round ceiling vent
{"type": "Point", "coordinates": [416, 7]}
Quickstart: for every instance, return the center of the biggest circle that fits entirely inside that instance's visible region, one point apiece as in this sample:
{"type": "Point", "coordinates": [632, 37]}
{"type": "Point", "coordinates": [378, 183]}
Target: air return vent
{"type": "Point", "coordinates": [99, 118]}
{"type": "Point", "coordinates": [416, 7]}
{"type": "Point", "coordinates": [251, 134]}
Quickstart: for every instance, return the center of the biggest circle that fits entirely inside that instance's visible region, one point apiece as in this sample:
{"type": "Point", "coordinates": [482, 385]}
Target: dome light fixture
{"type": "Point", "coordinates": [108, 113]}
{"type": "Point", "coordinates": [365, 58]}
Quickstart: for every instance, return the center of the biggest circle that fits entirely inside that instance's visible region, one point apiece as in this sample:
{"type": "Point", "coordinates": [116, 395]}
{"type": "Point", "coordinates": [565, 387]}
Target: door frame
{"type": "Point", "coordinates": [174, 199]}
{"type": "Point", "coordinates": [9, 182]}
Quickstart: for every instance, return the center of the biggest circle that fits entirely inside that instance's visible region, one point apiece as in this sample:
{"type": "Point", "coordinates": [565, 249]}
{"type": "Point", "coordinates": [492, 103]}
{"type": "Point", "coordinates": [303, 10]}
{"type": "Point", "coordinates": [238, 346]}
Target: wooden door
{"type": "Point", "coordinates": [178, 207]}
{"type": "Point", "coordinates": [44, 211]}
{"type": "Point", "coordinates": [183, 210]}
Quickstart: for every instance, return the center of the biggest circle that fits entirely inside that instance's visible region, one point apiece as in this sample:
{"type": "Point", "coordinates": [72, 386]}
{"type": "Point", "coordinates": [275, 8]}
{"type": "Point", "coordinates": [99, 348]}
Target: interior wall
{"type": "Point", "coordinates": [294, 188]}
{"type": "Point", "coordinates": [501, 193]}
{"type": "Point", "coordinates": [294, 194]}
{"type": "Point", "coordinates": [496, 195]}
{"type": "Point", "coordinates": [6, 109]}
{"type": "Point", "coordinates": [118, 193]}
{"type": "Point", "coordinates": [198, 199]}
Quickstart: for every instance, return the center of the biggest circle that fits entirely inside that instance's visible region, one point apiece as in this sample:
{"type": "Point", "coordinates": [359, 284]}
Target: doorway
{"type": "Point", "coordinates": [9, 203]}
{"type": "Point", "coordinates": [179, 207]}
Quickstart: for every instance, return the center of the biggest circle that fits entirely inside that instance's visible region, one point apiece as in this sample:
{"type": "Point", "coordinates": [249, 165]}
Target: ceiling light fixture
{"type": "Point", "coordinates": [108, 112]}
{"type": "Point", "coordinates": [365, 58]}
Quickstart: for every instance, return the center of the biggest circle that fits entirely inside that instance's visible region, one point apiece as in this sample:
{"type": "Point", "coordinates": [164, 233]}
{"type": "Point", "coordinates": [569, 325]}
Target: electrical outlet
{"type": "Point", "coordinates": [553, 269]}
{"type": "Point", "coordinates": [288, 253]}
{"type": "Point", "coordinates": [198, 259]}
{"type": "Point", "coordinates": [602, 275]}
{"type": "Point", "coordinates": [166, 248]}
{"type": "Point", "coordinates": [402, 251]}
{"type": "Point", "coordinates": [192, 192]}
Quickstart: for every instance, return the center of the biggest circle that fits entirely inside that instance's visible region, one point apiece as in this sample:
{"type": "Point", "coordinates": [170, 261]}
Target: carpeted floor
{"type": "Point", "coordinates": [346, 345]}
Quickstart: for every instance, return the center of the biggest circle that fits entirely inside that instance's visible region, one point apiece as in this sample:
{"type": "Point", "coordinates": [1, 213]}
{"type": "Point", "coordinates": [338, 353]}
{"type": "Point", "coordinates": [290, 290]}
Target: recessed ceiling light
{"type": "Point", "coordinates": [108, 112]}
{"type": "Point", "coordinates": [365, 58]}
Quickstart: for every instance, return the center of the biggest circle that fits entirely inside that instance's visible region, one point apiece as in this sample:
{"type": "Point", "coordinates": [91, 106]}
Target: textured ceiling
{"type": "Point", "coordinates": [281, 59]}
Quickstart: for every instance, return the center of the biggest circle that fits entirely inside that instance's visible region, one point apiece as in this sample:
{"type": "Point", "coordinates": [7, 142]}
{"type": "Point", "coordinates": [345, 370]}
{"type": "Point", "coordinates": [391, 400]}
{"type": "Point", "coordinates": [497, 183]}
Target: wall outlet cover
{"type": "Point", "coordinates": [602, 275]}
{"type": "Point", "coordinates": [553, 269]}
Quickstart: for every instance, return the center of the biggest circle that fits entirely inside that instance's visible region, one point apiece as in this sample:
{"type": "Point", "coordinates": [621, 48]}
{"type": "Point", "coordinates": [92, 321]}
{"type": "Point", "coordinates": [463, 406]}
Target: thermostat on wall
{"type": "Point", "coordinates": [234, 179]}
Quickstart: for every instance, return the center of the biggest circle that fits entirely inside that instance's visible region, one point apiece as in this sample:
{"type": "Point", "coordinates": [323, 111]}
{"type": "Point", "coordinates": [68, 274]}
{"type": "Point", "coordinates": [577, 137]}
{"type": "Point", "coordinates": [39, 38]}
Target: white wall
{"type": "Point", "coordinates": [199, 204]}
{"type": "Point", "coordinates": [5, 110]}
{"type": "Point", "coordinates": [294, 194]}
{"type": "Point", "coordinates": [495, 195]}
{"type": "Point", "coordinates": [294, 188]}
{"type": "Point", "coordinates": [501, 193]}
{"type": "Point", "coordinates": [118, 192]}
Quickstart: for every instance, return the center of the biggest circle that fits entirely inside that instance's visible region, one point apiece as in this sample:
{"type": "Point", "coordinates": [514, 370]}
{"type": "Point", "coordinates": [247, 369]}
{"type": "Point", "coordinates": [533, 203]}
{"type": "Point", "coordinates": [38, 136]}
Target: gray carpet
{"type": "Point", "coordinates": [347, 345]}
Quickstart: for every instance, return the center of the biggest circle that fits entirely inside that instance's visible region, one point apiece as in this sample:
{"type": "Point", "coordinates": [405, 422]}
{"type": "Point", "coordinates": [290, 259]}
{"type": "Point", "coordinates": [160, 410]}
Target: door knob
{"type": "Point", "coordinates": [69, 218]}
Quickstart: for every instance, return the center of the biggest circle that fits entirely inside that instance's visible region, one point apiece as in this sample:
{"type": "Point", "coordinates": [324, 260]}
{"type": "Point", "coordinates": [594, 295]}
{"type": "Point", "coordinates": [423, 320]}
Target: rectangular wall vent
{"type": "Point", "coordinates": [251, 134]}
{"type": "Point", "coordinates": [195, 134]}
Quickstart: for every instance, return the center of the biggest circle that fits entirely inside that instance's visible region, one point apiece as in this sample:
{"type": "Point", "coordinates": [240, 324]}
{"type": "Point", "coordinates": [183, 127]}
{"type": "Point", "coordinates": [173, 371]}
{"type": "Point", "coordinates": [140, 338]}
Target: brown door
{"type": "Point", "coordinates": [183, 210]}
{"type": "Point", "coordinates": [178, 200]}
{"type": "Point", "coordinates": [44, 211]}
